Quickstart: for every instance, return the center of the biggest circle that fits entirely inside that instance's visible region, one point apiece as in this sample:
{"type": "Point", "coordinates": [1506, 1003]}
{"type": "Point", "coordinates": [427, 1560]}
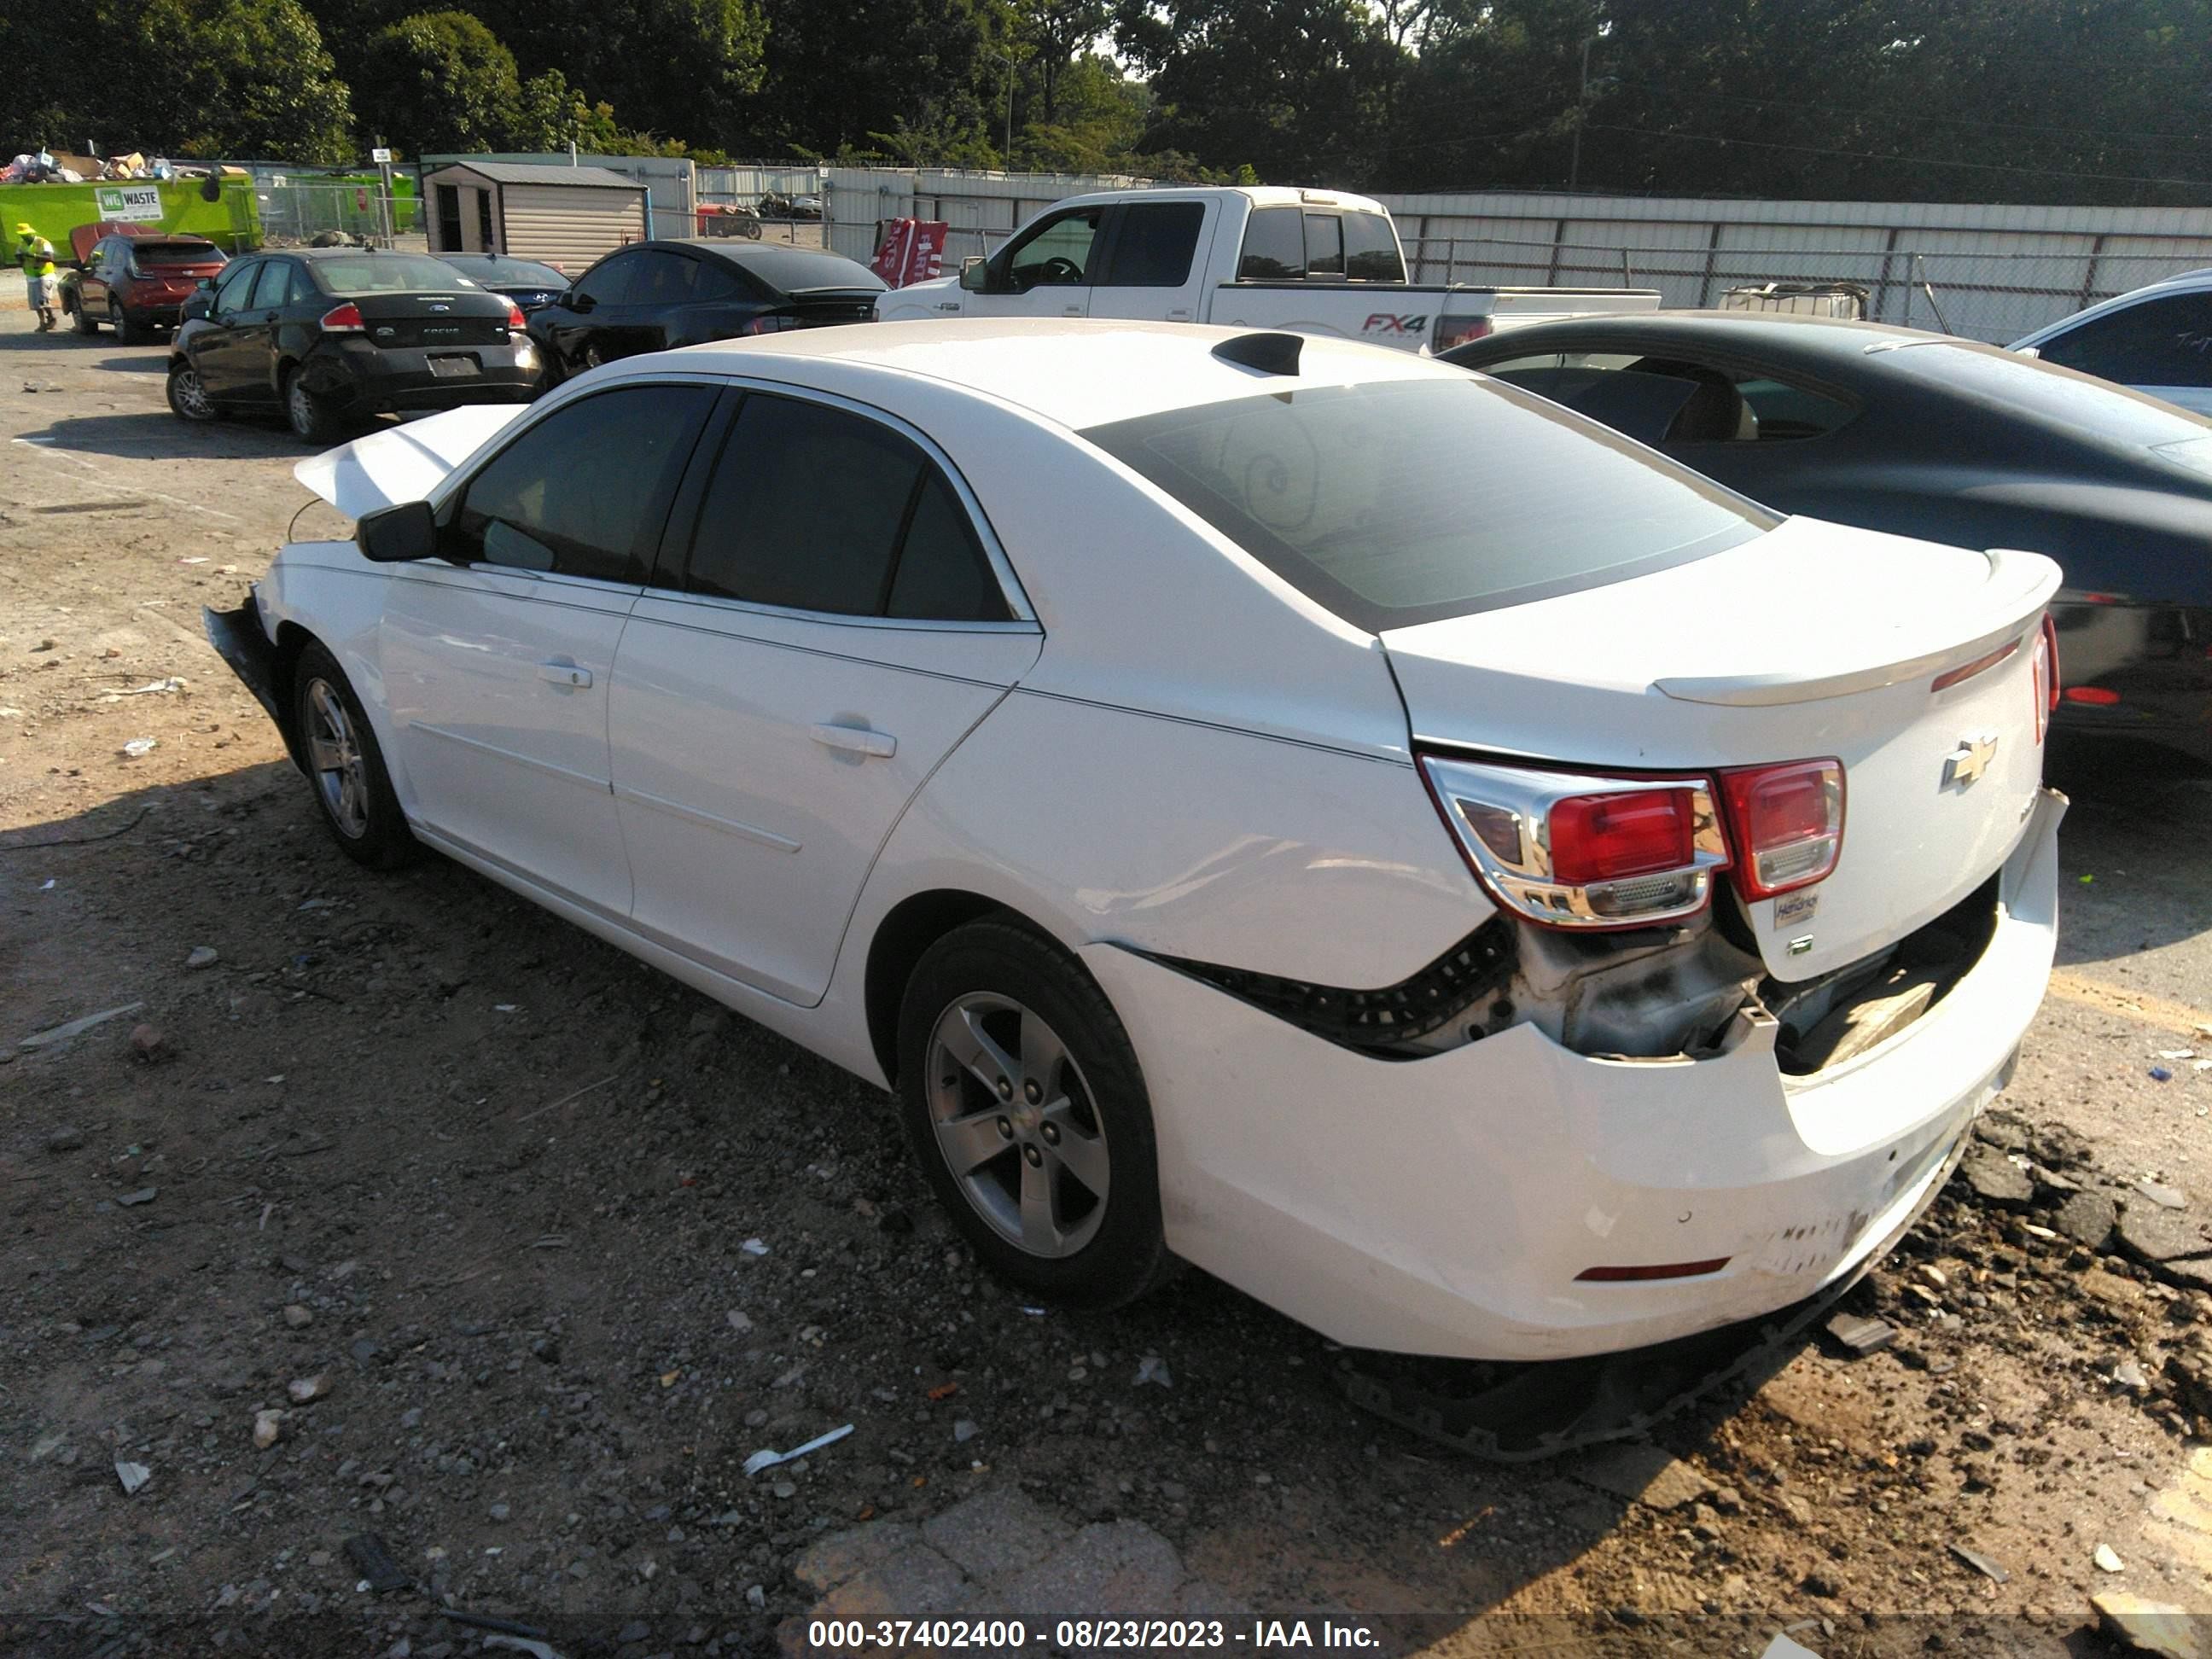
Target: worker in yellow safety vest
{"type": "Point", "coordinates": [36, 256]}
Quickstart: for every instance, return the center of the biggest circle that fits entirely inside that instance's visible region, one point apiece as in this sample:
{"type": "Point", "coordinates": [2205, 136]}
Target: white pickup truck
{"type": "Point", "coordinates": [1311, 261]}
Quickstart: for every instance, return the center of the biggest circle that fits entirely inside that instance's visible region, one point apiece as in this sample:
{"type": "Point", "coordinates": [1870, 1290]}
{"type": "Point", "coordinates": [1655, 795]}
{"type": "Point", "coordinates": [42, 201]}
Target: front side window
{"type": "Point", "coordinates": [1154, 244]}
{"type": "Point", "coordinates": [814, 508]}
{"type": "Point", "coordinates": [1404, 502]}
{"type": "Point", "coordinates": [234, 285]}
{"type": "Point", "coordinates": [1274, 247]}
{"type": "Point", "coordinates": [609, 282]}
{"type": "Point", "coordinates": [584, 492]}
{"type": "Point", "coordinates": [1057, 254]}
{"type": "Point", "coordinates": [2163, 342]}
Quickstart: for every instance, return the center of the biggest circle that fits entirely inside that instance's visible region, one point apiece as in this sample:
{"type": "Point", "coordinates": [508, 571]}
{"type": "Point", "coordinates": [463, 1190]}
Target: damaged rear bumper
{"type": "Point", "coordinates": [241, 641]}
{"type": "Point", "coordinates": [1448, 1205]}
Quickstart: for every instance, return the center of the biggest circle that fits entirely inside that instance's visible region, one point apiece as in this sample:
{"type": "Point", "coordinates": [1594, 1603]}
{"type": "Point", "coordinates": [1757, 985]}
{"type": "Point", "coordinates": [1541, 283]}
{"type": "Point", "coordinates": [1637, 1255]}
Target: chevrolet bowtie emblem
{"type": "Point", "coordinates": [1969, 760]}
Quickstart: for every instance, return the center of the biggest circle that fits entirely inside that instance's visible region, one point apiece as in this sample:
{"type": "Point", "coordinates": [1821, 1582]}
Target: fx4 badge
{"type": "Point", "coordinates": [1384, 322]}
{"type": "Point", "coordinates": [1966, 764]}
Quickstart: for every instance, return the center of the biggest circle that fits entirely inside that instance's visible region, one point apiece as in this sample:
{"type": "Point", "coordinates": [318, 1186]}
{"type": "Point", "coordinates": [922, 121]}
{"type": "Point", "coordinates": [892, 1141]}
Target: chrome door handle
{"type": "Point", "coordinates": [855, 740]}
{"type": "Point", "coordinates": [564, 673]}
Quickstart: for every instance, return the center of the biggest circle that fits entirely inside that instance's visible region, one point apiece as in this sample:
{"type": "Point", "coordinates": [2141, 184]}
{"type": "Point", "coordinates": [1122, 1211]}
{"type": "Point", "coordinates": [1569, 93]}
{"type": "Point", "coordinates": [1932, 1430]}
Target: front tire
{"type": "Point", "coordinates": [1024, 1100]}
{"type": "Point", "coordinates": [311, 420]}
{"type": "Point", "coordinates": [345, 766]}
{"type": "Point", "coordinates": [188, 395]}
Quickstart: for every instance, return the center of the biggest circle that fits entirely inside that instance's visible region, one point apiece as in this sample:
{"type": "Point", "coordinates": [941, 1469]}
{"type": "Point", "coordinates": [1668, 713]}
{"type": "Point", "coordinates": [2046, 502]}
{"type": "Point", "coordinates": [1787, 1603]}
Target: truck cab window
{"type": "Point", "coordinates": [1371, 249]}
{"type": "Point", "coordinates": [1324, 245]}
{"type": "Point", "coordinates": [1274, 247]}
{"type": "Point", "coordinates": [1057, 253]}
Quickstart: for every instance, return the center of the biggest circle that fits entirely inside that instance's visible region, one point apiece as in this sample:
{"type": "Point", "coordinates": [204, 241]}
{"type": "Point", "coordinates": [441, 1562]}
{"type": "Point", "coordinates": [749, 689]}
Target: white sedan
{"type": "Point", "coordinates": [1294, 807]}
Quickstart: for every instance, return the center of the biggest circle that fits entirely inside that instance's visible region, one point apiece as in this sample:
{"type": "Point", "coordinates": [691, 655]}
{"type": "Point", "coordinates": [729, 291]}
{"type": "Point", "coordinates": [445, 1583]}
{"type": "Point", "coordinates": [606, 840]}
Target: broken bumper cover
{"type": "Point", "coordinates": [1446, 1205]}
{"type": "Point", "coordinates": [240, 640]}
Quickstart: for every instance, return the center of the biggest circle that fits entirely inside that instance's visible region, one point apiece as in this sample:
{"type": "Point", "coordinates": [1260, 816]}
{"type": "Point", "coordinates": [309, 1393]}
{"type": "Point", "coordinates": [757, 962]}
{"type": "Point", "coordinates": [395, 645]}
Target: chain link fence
{"type": "Point", "coordinates": [293, 214]}
{"type": "Point", "coordinates": [1997, 297]}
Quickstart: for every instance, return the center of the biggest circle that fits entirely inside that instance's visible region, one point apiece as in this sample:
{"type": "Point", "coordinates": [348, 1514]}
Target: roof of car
{"type": "Point", "coordinates": [1075, 372]}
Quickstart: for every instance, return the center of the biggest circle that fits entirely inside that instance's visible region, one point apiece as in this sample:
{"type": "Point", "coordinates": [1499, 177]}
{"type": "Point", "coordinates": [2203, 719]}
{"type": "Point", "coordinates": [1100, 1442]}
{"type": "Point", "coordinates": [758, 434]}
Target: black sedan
{"type": "Point", "coordinates": [527, 282]}
{"type": "Point", "coordinates": [329, 336]}
{"type": "Point", "coordinates": [1931, 436]}
{"type": "Point", "coordinates": [652, 296]}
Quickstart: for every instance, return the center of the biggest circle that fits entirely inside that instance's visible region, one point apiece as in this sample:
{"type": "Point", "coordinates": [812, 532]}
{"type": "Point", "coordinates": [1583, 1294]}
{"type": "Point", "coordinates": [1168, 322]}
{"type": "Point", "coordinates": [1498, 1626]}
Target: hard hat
{"type": "Point", "coordinates": [23, 229]}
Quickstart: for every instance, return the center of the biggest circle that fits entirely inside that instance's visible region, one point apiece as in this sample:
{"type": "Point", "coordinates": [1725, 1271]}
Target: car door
{"type": "Point", "coordinates": [1154, 260]}
{"type": "Point", "coordinates": [1046, 269]}
{"type": "Point", "coordinates": [213, 349]}
{"type": "Point", "coordinates": [252, 350]}
{"type": "Point", "coordinates": [584, 320]}
{"type": "Point", "coordinates": [96, 281]}
{"type": "Point", "coordinates": [2161, 346]}
{"type": "Point", "coordinates": [785, 687]}
{"type": "Point", "coordinates": [497, 656]}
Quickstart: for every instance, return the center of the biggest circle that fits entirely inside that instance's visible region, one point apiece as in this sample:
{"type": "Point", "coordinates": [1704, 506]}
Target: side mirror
{"type": "Point", "coordinates": [575, 301]}
{"type": "Point", "coordinates": [398, 535]}
{"type": "Point", "coordinates": [195, 307]}
{"type": "Point", "coordinates": [975, 274]}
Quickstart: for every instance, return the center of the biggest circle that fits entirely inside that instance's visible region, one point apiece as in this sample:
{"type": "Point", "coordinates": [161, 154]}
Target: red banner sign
{"type": "Point", "coordinates": [912, 251]}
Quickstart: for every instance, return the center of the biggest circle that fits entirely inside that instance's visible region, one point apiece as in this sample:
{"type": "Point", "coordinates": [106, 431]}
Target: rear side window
{"type": "Point", "coordinates": [273, 285]}
{"type": "Point", "coordinates": [1274, 247]}
{"type": "Point", "coordinates": [1371, 249]}
{"type": "Point", "coordinates": [585, 492]}
{"type": "Point", "coordinates": [663, 279]}
{"type": "Point", "coordinates": [2163, 342]}
{"type": "Point", "coordinates": [814, 508]}
{"type": "Point", "coordinates": [1403, 502]}
{"type": "Point", "coordinates": [1155, 244]}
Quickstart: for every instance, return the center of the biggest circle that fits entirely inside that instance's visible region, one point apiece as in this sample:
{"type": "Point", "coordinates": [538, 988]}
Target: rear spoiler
{"type": "Point", "coordinates": [402, 462]}
{"type": "Point", "coordinates": [2019, 585]}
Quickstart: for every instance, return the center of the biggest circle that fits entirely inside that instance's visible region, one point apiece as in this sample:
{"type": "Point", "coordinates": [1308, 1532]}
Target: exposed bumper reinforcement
{"type": "Point", "coordinates": [237, 638]}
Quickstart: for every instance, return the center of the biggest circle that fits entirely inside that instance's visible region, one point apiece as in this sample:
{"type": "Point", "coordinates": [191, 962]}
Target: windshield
{"type": "Point", "coordinates": [386, 273]}
{"type": "Point", "coordinates": [148, 255]}
{"type": "Point", "coordinates": [2044, 389]}
{"type": "Point", "coordinates": [1403, 502]}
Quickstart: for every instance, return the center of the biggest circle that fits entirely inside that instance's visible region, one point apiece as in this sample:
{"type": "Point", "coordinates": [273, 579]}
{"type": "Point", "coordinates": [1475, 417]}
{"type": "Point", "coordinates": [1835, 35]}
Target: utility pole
{"type": "Point", "coordinates": [1581, 107]}
{"type": "Point", "coordinates": [1009, 57]}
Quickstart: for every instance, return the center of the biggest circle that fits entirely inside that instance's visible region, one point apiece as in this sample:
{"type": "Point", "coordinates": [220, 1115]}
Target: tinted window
{"type": "Point", "coordinates": [1056, 252]}
{"type": "Point", "coordinates": [152, 254]}
{"type": "Point", "coordinates": [1155, 244]}
{"type": "Point", "coordinates": [275, 283]}
{"type": "Point", "coordinates": [789, 269]}
{"type": "Point", "coordinates": [1371, 249]}
{"type": "Point", "coordinates": [608, 283]}
{"type": "Point", "coordinates": [1324, 245]}
{"type": "Point", "coordinates": [662, 279]}
{"type": "Point", "coordinates": [2165, 342]}
{"type": "Point", "coordinates": [942, 573]}
{"type": "Point", "coordinates": [1274, 247]}
{"type": "Point", "coordinates": [585, 492]}
{"type": "Point", "coordinates": [712, 279]}
{"type": "Point", "coordinates": [301, 288]}
{"type": "Point", "coordinates": [1401, 502]}
{"type": "Point", "coordinates": [807, 510]}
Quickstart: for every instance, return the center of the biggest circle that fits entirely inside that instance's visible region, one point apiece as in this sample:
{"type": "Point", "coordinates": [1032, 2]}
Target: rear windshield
{"type": "Point", "coordinates": [507, 272]}
{"type": "Point", "coordinates": [796, 270]}
{"type": "Point", "coordinates": [1403, 502]}
{"type": "Point", "coordinates": [2055, 394]}
{"type": "Point", "coordinates": [386, 273]}
{"type": "Point", "coordinates": [149, 254]}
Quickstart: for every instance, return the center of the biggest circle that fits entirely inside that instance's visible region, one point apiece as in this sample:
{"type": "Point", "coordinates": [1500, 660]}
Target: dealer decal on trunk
{"type": "Point", "coordinates": [1794, 909]}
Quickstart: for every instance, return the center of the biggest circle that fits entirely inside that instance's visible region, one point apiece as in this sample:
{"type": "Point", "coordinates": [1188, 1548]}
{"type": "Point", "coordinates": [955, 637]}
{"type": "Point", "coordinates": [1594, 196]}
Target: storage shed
{"type": "Point", "coordinates": [567, 216]}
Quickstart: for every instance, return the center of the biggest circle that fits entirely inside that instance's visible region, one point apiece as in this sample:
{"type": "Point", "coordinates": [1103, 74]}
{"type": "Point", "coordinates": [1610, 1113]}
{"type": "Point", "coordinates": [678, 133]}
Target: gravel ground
{"type": "Point", "coordinates": [517, 1248]}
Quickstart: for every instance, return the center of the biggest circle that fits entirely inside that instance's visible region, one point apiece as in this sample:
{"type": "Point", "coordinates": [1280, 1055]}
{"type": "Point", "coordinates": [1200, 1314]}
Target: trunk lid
{"type": "Point", "coordinates": [826, 308]}
{"type": "Point", "coordinates": [461, 318]}
{"type": "Point", "coordinates": [1810, 641]}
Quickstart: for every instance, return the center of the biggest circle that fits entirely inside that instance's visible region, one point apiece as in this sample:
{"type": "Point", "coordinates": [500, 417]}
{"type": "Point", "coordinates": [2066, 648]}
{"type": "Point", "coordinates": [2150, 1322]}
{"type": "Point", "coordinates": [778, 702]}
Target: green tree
{"type": "Point", "coordinates": [682, 67]}
{"type": "Point", "coordinates": [440, 81]}
{"type": "Point", "coordinates": [225, 77]}
{"type": "Point", "coordinates": [905, 77]}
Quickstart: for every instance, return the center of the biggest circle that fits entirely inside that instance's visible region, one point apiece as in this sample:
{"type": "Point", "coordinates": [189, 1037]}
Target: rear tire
{"type": "Point", "coordinates": [126, 331]}
{"type": "Point", "coordinates": [1024, 1102]}
{"type": "Point", "coordinates": [345, 766]}
{"type": "Point", "coordinates": [311, 419]}
{"type": "Point", "coordinates": [85, 321]}
{"type": "Point", "coordinates": [188, 397]}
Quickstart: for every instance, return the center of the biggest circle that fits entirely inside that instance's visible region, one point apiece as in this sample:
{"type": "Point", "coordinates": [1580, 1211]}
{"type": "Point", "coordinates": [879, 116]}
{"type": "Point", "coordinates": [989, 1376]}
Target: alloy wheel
{"type": "Point", "coordinates": [334, 756]}
{"type": "Point", "coordinates": [191, 395]}
{"type": "Point", "coordinates": [300, 407]}
{"type": "Point", "coordinates": [1016, 1124]}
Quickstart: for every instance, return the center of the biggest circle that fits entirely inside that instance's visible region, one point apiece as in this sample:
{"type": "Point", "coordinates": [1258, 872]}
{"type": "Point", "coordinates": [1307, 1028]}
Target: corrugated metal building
{"type": "Point", "coordinates": [568, 216]}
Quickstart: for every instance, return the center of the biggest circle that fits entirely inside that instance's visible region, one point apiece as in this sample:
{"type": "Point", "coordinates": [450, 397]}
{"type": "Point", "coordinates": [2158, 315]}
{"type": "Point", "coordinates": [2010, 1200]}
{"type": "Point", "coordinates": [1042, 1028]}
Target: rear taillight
{"type": "Point", "coordinates": [342, 320]}
{"type": "Point", "coordinates": [1457, 331]}
{"type": "Point", "coordinates": [1569, 850]}
{"type": "Point", "coordinates": [1786, 824]}
{"type": "Point", "coordinates": [769, 324]}
{"type": "Point", "coordinates": [2046, 676]}
{"type": "Point", "coordinates": [514, 316]}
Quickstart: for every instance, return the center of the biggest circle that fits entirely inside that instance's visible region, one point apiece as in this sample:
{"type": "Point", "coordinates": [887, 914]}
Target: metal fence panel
{"type": "Point", "coordinates": [294, 212]}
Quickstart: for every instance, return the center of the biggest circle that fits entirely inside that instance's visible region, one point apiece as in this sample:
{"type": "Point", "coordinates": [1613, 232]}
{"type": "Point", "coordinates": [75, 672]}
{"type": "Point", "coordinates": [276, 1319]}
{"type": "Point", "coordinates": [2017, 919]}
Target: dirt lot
{"type": "Point", "coordinates": [501, 1188]}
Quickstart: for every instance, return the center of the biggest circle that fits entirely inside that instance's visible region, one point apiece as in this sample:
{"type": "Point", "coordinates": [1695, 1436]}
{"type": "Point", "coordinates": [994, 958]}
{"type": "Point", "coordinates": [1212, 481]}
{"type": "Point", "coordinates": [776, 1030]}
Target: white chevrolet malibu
{"type": "Point", "coordinates": [1294, 807]}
